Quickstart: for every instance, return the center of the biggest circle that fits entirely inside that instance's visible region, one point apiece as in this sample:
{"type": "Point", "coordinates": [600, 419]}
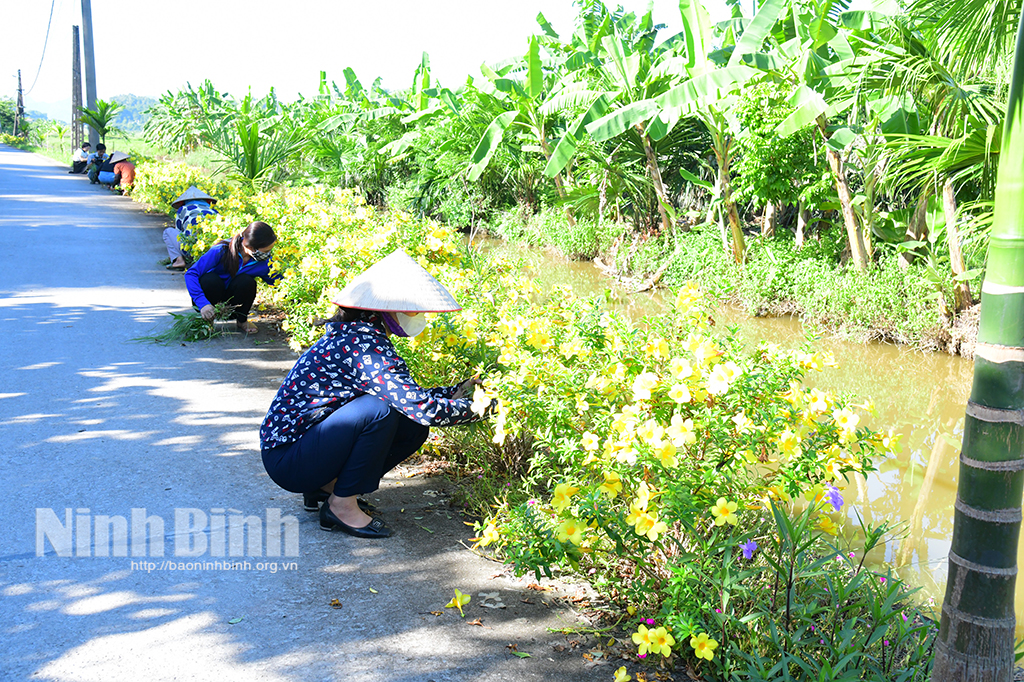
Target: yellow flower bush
{"type": "Point", "coordinates": [618, 438]}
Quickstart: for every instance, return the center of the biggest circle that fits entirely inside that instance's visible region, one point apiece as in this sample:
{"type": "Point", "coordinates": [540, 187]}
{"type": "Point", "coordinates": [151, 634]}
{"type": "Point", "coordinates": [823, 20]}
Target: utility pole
{"type": "Point", "coordinates": [90, 66]}
{"type": "Point", "coordinates": [76, 90]}
{"type": "Point", "coordinates": [19, 113]}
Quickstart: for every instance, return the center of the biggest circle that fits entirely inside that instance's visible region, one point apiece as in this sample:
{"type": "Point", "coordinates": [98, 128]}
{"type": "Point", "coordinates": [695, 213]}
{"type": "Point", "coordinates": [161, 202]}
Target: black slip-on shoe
{"type": "Point", "coordinates": [376, 528]}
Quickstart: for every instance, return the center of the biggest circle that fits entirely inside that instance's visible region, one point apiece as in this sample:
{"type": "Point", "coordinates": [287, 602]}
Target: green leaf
{"type": "Point", "coordinates": [566, 147]}
{"type": "Point", "coordinates": [622, 119]}
{"type": "Point", "coordinates": [969, 275]}
{"type": "Point", "coordinates": [546, 26]}
{"type": "Point", "coordinates": [808, 104]}
{"type": "Point", "coordinates": [842, 138]}
{"type": "Point", "coordinates": [236, 621]}
{"type": "Point", "coordinates": [521, 654]}
{"type": "Point", "coordinates": [691, 178]}
{"type": "Point", "coordinates": [704, 88]}
{"type": "Point", "coordinates": [697, 33]}
{"type": "Point", "coordinates": [489, 141]}
{"type": "Point", "coordinates": [534, 73]}
{"type": "Point", "coordinates": [753, 38]}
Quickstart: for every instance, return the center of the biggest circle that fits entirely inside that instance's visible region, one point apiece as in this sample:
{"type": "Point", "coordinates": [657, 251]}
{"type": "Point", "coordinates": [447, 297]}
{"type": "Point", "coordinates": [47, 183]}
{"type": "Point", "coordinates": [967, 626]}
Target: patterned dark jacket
{"type": "Point", "coordinates": [350, 360]}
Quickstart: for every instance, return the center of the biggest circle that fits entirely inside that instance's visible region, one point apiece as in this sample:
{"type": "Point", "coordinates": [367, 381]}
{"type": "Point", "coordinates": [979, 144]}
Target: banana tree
{"type": "Point", "coordinates": [815, 63]}
{"type": "Point", "coordinates": [976, 633]}
{"type": "Point", "coordinates": [520, 106]}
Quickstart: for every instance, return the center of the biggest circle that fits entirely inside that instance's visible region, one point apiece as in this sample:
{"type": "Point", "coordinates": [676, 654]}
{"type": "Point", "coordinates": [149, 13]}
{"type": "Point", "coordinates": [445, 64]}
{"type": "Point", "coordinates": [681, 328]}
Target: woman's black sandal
{"type": "Point", "coordinates": [376, 528]}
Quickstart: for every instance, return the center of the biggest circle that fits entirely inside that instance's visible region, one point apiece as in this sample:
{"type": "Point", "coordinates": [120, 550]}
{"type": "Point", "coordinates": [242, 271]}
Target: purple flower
{"type": "Point", "coordinates": [881, 580]}
{"type": "Point", "coordinates": [649, 621]}
{"type": "Point", "coordinates": [835, 498]}
{"type": "Point", "coordinates": [748, 549]}
{"type": "Point", "coordinates": [641, 655]}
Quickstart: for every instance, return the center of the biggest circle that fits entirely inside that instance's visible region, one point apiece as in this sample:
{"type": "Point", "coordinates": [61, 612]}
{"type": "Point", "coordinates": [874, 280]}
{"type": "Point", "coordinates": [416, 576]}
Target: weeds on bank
{"type": "Point", "coordinates": [190, 326]}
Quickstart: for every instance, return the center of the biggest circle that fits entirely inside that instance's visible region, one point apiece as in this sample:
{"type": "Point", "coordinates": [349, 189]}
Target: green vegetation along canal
{"type": "Point", "coordinates": [921, 395]}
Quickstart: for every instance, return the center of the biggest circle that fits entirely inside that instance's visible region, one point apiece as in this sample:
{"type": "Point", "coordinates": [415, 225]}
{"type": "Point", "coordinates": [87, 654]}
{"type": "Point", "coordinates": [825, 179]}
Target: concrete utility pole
{"type": "Point", "coordinates": [76, 90]}
{"type": "Point", "coordinates": [90, 67]}
{"type": "Point", "coordinates": [19, 113]}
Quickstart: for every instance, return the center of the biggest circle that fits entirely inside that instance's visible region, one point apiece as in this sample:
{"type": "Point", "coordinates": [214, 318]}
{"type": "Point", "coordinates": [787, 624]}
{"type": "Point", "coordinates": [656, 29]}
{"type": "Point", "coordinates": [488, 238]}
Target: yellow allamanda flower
{"type": "Point", "coordinates": [643, 495]}
{"type": "Point", "coordinates": [481, 401]}
{"type": "Point", "coordinates": [644, 383]}
{"type": "Point", "coordinates": [732, 371]}
{"type": "Point", "coordinates": [724, 512]}
{"type": "Point", "coordinates": [846, 419]}
{"type": "Point", "coordinates": [589, 441]}
{"type": "Point", "coordinates": [458, 601]}
{"type": "Point", "coordinates": [621, 675]}
{"type": "Point", "coordinates": [789, 443]}
{"type": "Point", "coordinates": [743, 423]}
{"type": "Point", "coordinates": [582, 404]}
{"type": "Point", "coordinates": [680, 369]}
{"type": "Point", "coordinates": [794, 396]}
{"type": "Point", "coordinates": [703, 646]}
{"type": "Point", "coordinates": [657, 348]}
{"type": "Point", "coordinates": [661, 641]}
{"type": "Point", "coordinates": [680, 431]}
{"type": "Point", "coordinates": [612, 485]}
{"type": "Point", "coordinates": [635, 512]}
{"type": "Point", "coordinates": [570, 530]}
{"type": "Point", "coordinates": [834, 470]}
{"type": "Point", "coordinates": [540, 340]}
{"type": "Point", "coordinates": [817, 401]}
{"type": "Point", "coordinates": [680, 394]}
{"type": "Point", "coordinates": [666, 454]}
{"type": "Point", "coordinates": [489, 535]}
{"type": "Point", "coordinates": [650, 432]}
{"type": "Point", "coordinates": [706, 352]}
{"type": "Point", "coordinates": [718, 381]}
{"type": "Point", "coordinates": [562, 496]}
{"type": "Point", "coordinates": [815, 493]}
{"type": "Point", "coordinates": [642, 639]}
{"type": "Point", "coordinates": [826, 524]}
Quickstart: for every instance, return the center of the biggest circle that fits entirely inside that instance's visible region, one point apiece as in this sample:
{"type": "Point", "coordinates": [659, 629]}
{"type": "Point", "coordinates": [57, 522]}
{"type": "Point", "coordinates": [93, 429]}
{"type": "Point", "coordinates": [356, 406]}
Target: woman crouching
{"type": "Point", "coordinates": [227, 274]}
{"type": "Point", "coordinates": [349, 412]}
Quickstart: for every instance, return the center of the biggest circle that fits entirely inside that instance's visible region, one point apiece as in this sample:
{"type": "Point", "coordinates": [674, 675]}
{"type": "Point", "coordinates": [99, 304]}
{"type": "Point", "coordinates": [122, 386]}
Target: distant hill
{"type": "Point", "coordinates": [132, 118]}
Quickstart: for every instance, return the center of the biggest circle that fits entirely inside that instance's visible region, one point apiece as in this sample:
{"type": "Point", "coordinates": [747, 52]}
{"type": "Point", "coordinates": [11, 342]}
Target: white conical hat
{"type": "Point", "coordinates": [191, 194]}
{"type": "Point", "coordinates": [118, 156]}
{"type": "Point", "coordinates": [397, 283]}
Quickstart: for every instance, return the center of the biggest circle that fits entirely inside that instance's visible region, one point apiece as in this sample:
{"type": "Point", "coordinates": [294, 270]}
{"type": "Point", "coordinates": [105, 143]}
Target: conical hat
{"type": "Point", "coordinates": [192, 194]}
{"type": "Point", "coordinates": [397, 283]}
{"type": "Point", "coordinates": [118, 156]}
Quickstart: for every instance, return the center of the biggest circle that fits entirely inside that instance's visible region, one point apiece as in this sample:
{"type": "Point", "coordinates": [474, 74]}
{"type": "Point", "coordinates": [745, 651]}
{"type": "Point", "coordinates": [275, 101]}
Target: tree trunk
{"type": "Point", "coordinates": [802, 216]}
{"type": "Point", "coordinates": [739, 245]}
{"type": "Point", "coordinates": [768, 220]}
{"type": "Point", "coordinates": [917, 227]}
{"type": "Point", "coordinates": [976, 634]}
{"type": "Point", "coordinates": [659, 186]}
{"type": "Point", "coordinates": [858, 252]}
{"type": "Point", "coordinates": [962, 290]}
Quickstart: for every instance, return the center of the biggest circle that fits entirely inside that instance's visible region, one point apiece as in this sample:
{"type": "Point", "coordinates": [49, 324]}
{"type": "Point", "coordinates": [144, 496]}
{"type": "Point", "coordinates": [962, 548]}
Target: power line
{"type": "Point", "coordinates": [45, 41]}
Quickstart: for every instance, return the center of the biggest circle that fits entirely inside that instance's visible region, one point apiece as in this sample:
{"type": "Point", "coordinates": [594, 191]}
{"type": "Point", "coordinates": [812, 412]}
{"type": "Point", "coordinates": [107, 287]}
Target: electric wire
{"type": "Point", "coordinates": [45, 41]}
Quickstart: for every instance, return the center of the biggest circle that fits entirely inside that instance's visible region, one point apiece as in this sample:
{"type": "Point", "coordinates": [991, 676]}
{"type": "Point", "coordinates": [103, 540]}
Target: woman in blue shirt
{"type": "Point", "coordinates": [349, 411]}
{"type": "Point", "coordinates": [227, 273]}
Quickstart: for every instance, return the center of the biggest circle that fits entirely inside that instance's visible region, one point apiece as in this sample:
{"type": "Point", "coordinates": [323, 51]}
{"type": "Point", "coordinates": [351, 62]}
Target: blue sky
{"type": "Point", "coordinates": [147, 48]}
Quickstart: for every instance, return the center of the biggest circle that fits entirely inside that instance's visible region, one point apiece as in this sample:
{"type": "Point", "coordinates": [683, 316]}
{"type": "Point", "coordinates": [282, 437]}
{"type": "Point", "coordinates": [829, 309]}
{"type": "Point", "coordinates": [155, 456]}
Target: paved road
{"type": "Point", "coordinates": [95, 425]}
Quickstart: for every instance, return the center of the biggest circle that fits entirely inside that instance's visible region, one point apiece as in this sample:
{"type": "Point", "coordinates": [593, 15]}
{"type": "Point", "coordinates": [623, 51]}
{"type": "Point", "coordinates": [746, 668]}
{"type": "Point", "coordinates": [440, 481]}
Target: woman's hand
{"type": "Point", "coordinates": [207, 312]}
{"type": "Point", "coordinates": [466, 388]}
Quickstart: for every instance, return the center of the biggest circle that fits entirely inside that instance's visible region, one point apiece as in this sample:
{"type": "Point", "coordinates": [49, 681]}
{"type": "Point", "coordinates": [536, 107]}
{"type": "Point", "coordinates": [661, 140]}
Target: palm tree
{"type": "Point", "coordinates": [101, 119]}
{"type": "Point", "coordinates": [976, 634]}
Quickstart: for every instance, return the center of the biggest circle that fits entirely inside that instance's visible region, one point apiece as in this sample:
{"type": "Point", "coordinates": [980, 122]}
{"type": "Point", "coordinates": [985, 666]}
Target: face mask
{"type": "Point", "coordinates": [260, 255]}
{"type": "Point", "coordinates": [403, 324]}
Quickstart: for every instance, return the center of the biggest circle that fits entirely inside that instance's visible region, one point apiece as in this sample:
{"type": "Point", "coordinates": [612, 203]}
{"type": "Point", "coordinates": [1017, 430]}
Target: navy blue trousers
{"type": "Point", "coordinates": [359, 443]}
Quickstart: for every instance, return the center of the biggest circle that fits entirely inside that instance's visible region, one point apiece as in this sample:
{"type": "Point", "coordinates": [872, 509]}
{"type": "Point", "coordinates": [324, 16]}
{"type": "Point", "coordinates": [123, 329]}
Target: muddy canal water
{"type": "Point", "coordinates": [922, 395]}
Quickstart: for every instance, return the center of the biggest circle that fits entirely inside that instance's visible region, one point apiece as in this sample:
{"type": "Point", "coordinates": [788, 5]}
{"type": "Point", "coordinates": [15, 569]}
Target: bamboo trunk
{"type": "Point", "coordinates": [962, 291]}
{"type": "Point", "coordinates": [976, 634]}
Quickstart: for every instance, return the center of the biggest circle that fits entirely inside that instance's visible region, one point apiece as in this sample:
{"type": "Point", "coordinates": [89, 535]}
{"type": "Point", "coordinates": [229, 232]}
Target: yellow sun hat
{"type": "Point", "coordinates": [396, 283]}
